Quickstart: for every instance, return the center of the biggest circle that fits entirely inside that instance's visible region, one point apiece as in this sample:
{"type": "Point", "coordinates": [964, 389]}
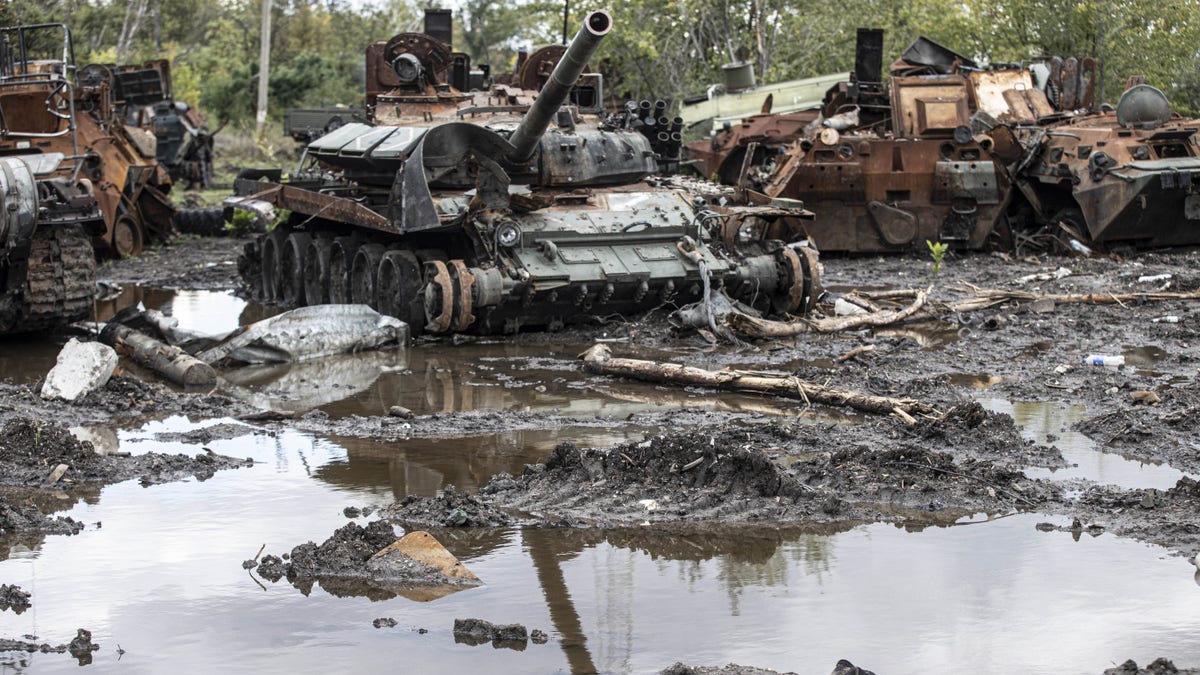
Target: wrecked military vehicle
{"type": "Point", "coordinates": [48, 212]}
{"type": "Point", "coordinates": [499, 210]}
{"type": "Point", "coordinates": [885, 164]}
{"type": "Point", "coordinates": [1129, 175]}
{"type": "Point", "coordinates": [947, 151]}
{"type": "Point", "coordinates": [79, 120]}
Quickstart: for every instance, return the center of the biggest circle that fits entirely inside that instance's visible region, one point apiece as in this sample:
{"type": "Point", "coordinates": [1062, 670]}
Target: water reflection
{"type": "Point", "coordinates": [1040, 421]}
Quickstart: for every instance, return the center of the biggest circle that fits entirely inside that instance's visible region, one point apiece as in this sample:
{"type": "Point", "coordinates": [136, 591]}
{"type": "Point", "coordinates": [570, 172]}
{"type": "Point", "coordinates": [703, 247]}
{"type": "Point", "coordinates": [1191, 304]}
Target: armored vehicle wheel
{"type": "Point", "coordinates": [291, 269]}
{"type": "Point", "coordinates": [363, 275]}
{"type": "Point", "coordinates": [127, 237]}
{"type": "Point", "coordinates": [341, 260]}
{"type": "Point", "coordinates": [399, 289]}
{"type": "Point", "coordinates": [316, 270]}
{"type": "Point", "coordinates": [271, 282]}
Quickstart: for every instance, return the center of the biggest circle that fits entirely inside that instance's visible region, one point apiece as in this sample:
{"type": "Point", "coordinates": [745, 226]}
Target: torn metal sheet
{"type": "Point", "coordinates": [310, 333]}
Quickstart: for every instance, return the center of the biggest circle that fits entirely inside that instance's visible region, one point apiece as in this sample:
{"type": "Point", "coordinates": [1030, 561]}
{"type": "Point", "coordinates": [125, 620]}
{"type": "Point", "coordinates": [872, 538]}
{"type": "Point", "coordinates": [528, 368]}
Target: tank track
{"type": "Point", "coordinates": [60, 281]}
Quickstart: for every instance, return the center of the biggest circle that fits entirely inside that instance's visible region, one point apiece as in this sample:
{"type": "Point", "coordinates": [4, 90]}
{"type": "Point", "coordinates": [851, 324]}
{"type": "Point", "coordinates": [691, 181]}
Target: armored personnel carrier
{"type": "Point", "coordinates": [505, 209]}
{"type": "Point", "coordinates": [1129, 175]}
{"type": "Point", "coordinates": [886, 164]}
{"type": "Point", "coordinates": [48, 212]}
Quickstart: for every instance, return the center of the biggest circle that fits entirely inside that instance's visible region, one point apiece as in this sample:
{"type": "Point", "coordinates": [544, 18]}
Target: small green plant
{"type": "Point", "coordinates": [242, 224]}
{"type": "Point", "coordinates": [938, 253]}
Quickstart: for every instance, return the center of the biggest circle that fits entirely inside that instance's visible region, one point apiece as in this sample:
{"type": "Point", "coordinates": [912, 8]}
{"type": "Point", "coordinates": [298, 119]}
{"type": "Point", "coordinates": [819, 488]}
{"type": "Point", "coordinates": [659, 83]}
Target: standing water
{"type": "Point", "coordinates": [158, 569]}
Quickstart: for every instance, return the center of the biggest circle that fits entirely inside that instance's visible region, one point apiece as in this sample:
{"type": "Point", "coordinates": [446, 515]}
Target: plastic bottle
{"type": "Point", "coordinates": [1104, 360]}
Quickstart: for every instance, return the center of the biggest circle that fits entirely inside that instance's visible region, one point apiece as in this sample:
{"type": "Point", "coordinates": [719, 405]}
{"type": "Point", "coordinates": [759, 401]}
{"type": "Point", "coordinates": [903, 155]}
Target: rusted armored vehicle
{"type": "Point", "coordinates": [48, 211]}
{"type": "Point", "coordinates": [505, 209]}
{"type": "Point", "coordinates": [1129, 175]}
{"type": "Point", "coordinates": [143, 97]}
{"type": "Point", "coordinates": [885, 164]}
{"type": "Point", "coordinates": [117, 158]}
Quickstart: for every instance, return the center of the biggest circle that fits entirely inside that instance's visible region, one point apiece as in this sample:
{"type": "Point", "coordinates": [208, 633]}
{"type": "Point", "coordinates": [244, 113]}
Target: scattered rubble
{"type": "Point", "coordinates": [1159, 666]}
{"type": "Point", "coordinates": [477, 631]}
{"type": "Point", "coordinates": [12, 597]}
{"type": "Point", "coordinates": [82, 368]}
{"type": "Point", "coordinates": [371, 561]}
{"type": "Point", "coordinates": [80, 647]}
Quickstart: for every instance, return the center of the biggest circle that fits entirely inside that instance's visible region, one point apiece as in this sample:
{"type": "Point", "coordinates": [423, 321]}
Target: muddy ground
{"type": "Point", "coordinates": [772, 466]}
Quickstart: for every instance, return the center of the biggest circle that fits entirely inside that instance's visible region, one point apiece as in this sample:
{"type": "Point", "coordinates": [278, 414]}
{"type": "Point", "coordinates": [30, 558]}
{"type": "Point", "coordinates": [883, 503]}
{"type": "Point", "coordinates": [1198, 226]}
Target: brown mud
{"type": "Point", "coordinates": [739, 469]}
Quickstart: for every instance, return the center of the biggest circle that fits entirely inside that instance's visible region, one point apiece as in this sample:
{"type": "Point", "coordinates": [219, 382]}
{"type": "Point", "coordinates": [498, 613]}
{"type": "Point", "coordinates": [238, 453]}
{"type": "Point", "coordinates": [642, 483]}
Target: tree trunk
{"type": "Point", "coordinates": [171, 362]}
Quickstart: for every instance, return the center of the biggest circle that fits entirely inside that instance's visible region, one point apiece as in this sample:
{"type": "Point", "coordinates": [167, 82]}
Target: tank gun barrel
{"type": "Point", "coordinates": [556, 90]}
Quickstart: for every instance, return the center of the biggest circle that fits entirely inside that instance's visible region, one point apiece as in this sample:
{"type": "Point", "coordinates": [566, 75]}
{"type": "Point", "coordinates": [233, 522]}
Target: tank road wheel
{"type": "Point", "coordinates": [127, 237]}
{"type": "Point", "coordinates": [316, 271]}
{"type": "Point", "coordinates": [362, 275]}
{"type": "Point", "coordinates": [341, 259]}
{"type": "Point", "coordinates": [399, 289]}
{"type": "Point", "coordinates": [271, 246]}
{"type": "Point", "coordinates": [291, 269]}
{"type": "Point", "coordinates": [448, 299]}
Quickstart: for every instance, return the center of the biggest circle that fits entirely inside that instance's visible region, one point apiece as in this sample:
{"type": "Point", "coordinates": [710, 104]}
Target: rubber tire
{"type": "Point", "coordinates": [316, 270]}
{"type": "Point", "coordinates": [291, 269]}
{"type": "Point", "coordinates": [127, 237]}
{"type": "Point", "coordinates": [400, 289]}
{"type": "Point", "coordinates": [341, 260]}
{"type": "Point", "coordinates": [201, 222]}
{"type": "Point", "coordinates": [363, 274]}
{"type": "Point", "coordinates": [271, 248]}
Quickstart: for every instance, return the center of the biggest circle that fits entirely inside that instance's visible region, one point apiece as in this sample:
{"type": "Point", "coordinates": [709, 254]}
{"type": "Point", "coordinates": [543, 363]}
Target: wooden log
{"type": "Point", "coordinates": [755, 327]}
{"type": "Point", "coordinates": [599, 359]}
{"type": "Point", "coordinates": [171, 362]}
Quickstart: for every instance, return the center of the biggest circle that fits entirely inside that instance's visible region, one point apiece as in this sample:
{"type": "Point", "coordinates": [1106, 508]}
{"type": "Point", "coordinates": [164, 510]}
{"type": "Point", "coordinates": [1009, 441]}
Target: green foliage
{"type": "Point", "coordinates": [938, 253]}
{"type": "Point", "coordinates": [664, 49]}
{"type": "Point", "coordinates": [242, 224]}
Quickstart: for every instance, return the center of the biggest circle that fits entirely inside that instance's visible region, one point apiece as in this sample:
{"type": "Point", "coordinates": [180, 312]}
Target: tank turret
{"type": "Point", "coordinates": [503, 209]}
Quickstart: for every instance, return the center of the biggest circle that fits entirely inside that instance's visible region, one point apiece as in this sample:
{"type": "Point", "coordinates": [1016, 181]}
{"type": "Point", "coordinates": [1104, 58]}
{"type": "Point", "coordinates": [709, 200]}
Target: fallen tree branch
{"type": "Point", "coordinates": [599, 359]}
{"type": "Point", "coordinates": [764, 328]}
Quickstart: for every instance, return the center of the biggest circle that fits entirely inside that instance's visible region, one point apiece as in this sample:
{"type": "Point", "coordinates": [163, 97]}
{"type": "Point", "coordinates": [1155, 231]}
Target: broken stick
{"type": "Point", "coordinates": [762, 328]}
{"type": "Point", "coordinates": [599, 359]}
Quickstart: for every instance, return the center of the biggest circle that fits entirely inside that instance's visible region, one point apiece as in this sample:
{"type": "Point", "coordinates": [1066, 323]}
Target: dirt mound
{"type": "Point", "coordinates": [12, 597]}
{"type": "Point", "coordinates": [346, 565]}
{"type": "Point", "coordinates": [25, 518]}
{"type": "Point", "coordinates": [777, 473]}
{"type": "Point", "coordinates": [1169, 518]}
{"type": "Point", "coordinates": [451, 509]}
{"type": "Point", "coordinates": [1159, 666]}
{"type": "Point", "coordinates": [33, 452]}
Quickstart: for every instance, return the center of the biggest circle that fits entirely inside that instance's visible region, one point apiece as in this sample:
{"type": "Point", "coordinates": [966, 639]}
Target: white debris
{"type": "Point", "coordinates": [843, 307]}
{"type": "Point", "coordinates": [649, 504]}
{"type": "Point", "coordinates": [1170, 318]}
{"type": "Point", "coordinates": [82, 367]}
{"type": "Point", "coordinates": [1153, 278]}
{"type": "Point", "coordinates": [1060, 273]}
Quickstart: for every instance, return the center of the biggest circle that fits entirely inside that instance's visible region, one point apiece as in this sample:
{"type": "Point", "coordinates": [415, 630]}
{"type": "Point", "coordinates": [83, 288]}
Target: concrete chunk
{"type": "Point", "coordinates": [82, 367]}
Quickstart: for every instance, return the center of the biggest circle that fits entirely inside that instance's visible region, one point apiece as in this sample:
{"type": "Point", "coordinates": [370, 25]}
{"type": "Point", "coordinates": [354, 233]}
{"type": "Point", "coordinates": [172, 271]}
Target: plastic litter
{"type": "Point", "coordinates": [1104, 360]}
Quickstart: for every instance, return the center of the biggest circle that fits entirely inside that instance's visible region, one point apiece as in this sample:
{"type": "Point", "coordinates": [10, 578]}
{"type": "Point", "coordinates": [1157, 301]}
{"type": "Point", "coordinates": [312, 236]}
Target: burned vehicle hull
{"type": "Point", "coordinates": [47, 221]}
{"type": "Point", "coordinates": [466, 212]}
{"type": "Point", "coordinates": [81, 122]}
{"type": "Point", "coordinates": [885, 165]}
{"type": "Point", "coordinates": [1127, 176]}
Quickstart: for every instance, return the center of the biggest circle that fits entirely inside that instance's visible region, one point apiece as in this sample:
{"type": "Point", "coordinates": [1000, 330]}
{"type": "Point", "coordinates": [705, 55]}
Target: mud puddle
{"type": "Point", "coordinates": [1050, 424]}
{"type": "Point", "coordinates": [162, 578]}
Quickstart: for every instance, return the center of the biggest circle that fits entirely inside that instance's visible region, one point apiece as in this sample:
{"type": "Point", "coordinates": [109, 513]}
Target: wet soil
{"type": "Point", "coordinates": [187, 263]}
{"type": "Point", "coordinates": [717, 469]}
{"type": "Point", "coordinates": [346, 565]}
{"type": "Point", "coordinates": [124, 399]}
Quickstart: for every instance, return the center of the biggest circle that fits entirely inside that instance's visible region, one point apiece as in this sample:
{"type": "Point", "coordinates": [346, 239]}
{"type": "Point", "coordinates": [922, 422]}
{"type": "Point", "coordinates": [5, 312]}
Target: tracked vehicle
{"type": "Point", "coordinates": [48, 212]}
{"type": "Point", "coordinates": [505, 209]}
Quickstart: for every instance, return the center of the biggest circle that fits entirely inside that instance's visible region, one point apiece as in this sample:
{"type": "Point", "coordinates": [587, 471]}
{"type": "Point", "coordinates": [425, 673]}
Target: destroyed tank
{"type": "Point", "coordinates": [48, 213]}
{"type": "Point", "coordinates": [1129, 175]}
{"type": "Point", "coordinates": [504, 209]}
{"type": "Point", "coordinates": [885, 165]}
